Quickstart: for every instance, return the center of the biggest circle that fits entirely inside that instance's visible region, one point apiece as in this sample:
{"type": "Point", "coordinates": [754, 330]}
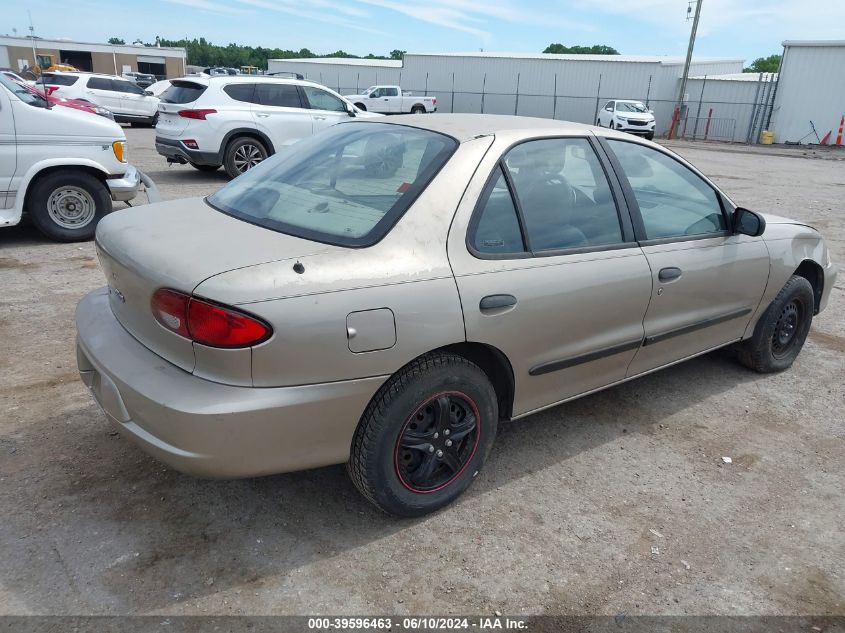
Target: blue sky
{"type": "Point", "coordinates": [729, 28]}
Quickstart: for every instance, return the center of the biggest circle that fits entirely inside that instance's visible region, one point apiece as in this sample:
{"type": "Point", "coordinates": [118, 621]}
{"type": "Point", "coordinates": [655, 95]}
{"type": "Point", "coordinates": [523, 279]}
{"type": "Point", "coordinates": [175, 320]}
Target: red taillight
{"type": "Point", "coordinates": [206, 323]}
{"type": "Point", "coordinates": [190, 143]}
{"type": "Point", "coordinates": [196, 114]}
{"type": "Point", "coordinates": [434, 101]}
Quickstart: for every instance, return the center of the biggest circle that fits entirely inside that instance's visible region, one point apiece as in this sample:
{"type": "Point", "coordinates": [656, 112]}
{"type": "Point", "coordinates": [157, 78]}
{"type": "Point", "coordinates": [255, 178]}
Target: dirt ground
{"type": "Point", "coordinates": [616, 503]}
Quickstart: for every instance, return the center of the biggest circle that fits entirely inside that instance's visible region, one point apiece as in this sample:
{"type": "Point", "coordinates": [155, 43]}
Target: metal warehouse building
{"type": "Point", "coordinates": [19, 53]}
{"type": "Point", "coordinates": [568, 87]}
{"type": "Point", "coordinates": [811, 88]}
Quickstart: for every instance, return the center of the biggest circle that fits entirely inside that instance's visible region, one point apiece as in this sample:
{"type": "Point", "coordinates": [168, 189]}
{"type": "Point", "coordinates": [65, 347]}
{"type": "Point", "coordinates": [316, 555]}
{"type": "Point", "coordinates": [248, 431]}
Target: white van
{"type": "Point", "coordinates": [61, 166]}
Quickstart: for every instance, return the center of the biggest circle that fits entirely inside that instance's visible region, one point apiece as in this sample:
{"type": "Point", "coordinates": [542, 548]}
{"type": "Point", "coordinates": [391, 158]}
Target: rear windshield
{"type": "Point", "coordinates": [346, 186]}
{"type": "Point", "coordinates": [61, 80]}
{"type": "Point", "coordinates": [182, 92]}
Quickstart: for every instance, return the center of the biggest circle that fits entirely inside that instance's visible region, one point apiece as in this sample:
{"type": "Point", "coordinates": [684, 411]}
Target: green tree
{"type": "Point", "coordinates": [397, 54]}
{"type": "Point", "coordinates": [768, 64]}
{"type": "Point", "coordinates": [595, 49]}
{"type": "Point", "coordinates": [116, 40]}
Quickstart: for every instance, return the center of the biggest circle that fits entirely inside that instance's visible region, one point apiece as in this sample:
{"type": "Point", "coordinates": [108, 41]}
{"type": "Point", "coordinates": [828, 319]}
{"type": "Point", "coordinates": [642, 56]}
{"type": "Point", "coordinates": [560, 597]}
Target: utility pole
{"type": "Point", "coordinates": [680, 104]}
{"type": "Point", "coordinates": [32, 41]}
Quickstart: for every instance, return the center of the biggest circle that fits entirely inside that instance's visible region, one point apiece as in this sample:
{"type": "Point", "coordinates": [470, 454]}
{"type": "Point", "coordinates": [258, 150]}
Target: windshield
{"type": "Point", "coordinates": [24, 93]}
{"type": "Point", "coordinates": [630, 106]}
{"type": "Point", "coordinates": [346, 186]}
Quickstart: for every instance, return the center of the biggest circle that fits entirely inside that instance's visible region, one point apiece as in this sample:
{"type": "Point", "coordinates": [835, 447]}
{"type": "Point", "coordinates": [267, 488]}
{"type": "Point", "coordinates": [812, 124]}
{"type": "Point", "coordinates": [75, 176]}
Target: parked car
{"type": "Point", "coordinates": [38, 90]}
{"type": "Point", "coordinates": [128, 102]}
{"type": "Point", "coordinates": [627, 116]}
{"type": "Point", "coordinates": [142, 80]}
{"type": "Point", "coordinates": [61, 166]}
{"type": "Point", "coordinates": [158, 87]}
{"type": "Point", "coordinates": [335, 306]}
{"type": "Point", "coordinates": [392, 100]}
{"type": "Point", "coordinates": [239, 121]}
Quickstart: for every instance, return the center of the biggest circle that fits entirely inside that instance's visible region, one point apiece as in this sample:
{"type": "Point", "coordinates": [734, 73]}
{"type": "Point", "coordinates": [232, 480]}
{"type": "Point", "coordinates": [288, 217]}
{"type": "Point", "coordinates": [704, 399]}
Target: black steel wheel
{"type": "Point", "coordinates": [425, 435]}
{"type": "Point", "coordinates": [782, 329]}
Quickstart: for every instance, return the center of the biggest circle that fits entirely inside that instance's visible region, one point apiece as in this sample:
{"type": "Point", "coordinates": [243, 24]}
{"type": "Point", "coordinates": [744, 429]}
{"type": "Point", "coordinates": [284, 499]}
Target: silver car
{"type": "Point", "coordinates": [385, 293]}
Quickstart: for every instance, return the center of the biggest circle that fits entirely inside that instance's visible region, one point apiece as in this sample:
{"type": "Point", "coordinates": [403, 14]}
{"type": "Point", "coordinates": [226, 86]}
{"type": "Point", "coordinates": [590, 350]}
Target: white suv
{"type": "Point", "coordinates": [128, 102]}
{"type": "Point", "coordinates": [239, 121]}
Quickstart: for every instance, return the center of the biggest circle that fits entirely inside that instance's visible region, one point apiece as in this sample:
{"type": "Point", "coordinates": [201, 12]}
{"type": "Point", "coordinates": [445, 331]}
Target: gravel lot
{"type": "Point", "coordinates": [618, 502]}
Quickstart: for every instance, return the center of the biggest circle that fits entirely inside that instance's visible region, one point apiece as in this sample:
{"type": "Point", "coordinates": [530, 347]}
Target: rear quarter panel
{"type": "Point", "coordinates": [407, 272]}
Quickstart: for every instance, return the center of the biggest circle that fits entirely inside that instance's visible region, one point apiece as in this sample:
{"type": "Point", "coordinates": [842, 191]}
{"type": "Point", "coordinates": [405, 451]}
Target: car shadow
{"type": "Point", "coordinates": [115, 531]}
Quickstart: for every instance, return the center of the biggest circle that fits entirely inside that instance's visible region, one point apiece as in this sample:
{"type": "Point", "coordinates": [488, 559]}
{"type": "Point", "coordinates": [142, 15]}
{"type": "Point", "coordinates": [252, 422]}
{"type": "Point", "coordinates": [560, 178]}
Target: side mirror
{"type": "Point", "coordinates": [350, 109]}
{"type": "Point", "coordinates": [651, 111]}
{"type": "Point", "coordinates": [372, 95]}
{"type": "Point", "coordinates": [609, 109]}
{"type": "Point", "coordinates": [747, 222]}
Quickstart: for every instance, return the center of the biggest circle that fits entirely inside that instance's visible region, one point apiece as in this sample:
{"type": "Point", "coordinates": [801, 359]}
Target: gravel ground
{"type": "Point", "coordinates": [618, 502]}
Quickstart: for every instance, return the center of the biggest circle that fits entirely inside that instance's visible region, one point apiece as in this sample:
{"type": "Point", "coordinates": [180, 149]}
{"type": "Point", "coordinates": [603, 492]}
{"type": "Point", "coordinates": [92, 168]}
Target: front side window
{"type": "Point", "coordinates": [674, 201]}
{"type": "Point", "coordinates": [278, 95]}
{"type": "Point", "coordinates": [563, 194]}
{"type": "Point", "coordinates": [347, 185]}
{"type": "Point", "coordinates": [322, 100]}
{"type": "Point", "coordinates": [496, 230]}
{"type": "Point", "coordinates": [610, 106]}
{"type": "Point", "coordinates": [127, 87]}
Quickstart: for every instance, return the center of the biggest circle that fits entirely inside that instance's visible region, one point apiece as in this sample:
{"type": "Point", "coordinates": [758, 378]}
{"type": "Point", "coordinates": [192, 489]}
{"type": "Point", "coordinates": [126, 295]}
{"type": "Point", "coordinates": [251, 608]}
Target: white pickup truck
{"type": "Point", "coordinates": [392, 100]}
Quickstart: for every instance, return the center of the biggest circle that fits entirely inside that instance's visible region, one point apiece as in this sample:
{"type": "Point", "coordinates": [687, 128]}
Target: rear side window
{"type": "Point", "coordinates": [391, 92]}
{"type": "Point", "coordinates": [182, 92]}
{"type": "Point", "coordinates": [126, 87]}
{"type": "Point", "coordinates": [347, 185]}
{"type": "Point", "coordinates": [497, 228]}
{"type": "Point", "coordinates": [61, 80]}
{"type": "Point", "coordinates": [100, 83]}
{"type": "Point", "coordinates": [322, 100]}
{"type": "Point", "coordinates": [278, 95]}
{"type": "Point", "coordinates": [241, 92]}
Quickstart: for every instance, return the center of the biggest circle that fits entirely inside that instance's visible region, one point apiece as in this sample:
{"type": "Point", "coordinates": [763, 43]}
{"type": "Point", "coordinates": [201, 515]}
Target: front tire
{"type": "Point", "coordinates": [67, 205]}
{"type": "Point", "coordinates": [243, 154]}
{"type": "Point", "coordinates": [425, 435]}
{"type": "Point", "coordinates": [361, 107]}
{"type": "Point", "coordinates": [781, 331]}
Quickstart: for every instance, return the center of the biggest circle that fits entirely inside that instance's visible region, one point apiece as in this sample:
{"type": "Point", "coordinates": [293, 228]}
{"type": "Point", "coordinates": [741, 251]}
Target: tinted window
{"type": "Point", "coordinates": [182, 92]}
{"type": "Point", "coordinates": [322, 100]}
{"type": "Point", "coordinates": [564, 194]}
{"type": "Point", "coordinates": [61, 80]}
{"type": "Point", "coordinates": [99, 83]}
{"type": "Point", "coordinates": [391, 92]}
{"type": "Point", "coordinates": [497, 227]}
{"type": "Point", "coordinates": [347, 185]}
{"type": "Point", "coordinates": [609, 106]}
{"type": "Point", "coordinates": [23, 92]}
{"type": "Point", "coordinates": [279, 95]}
{"type": "Point", "coordinates": [674, 201]}
{"type": "Point", "coordinates": [127, 87]}
{"type": "Point", "coordinates": [241, 92]}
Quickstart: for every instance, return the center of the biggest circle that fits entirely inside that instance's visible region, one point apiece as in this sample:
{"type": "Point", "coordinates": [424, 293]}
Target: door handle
{"type": "Point", "coordinates": [669, 274]}
{"type": "Point", "coordinates": [320, 118]}
{"type": "Point", "coordinates": [262, 115]}
{"type": "Point", "coordinates": [495, 302]}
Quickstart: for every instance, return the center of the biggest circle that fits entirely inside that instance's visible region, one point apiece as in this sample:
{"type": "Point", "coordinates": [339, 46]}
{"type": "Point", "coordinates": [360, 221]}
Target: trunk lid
{"type": "Point", "coordinates": [178, 245]}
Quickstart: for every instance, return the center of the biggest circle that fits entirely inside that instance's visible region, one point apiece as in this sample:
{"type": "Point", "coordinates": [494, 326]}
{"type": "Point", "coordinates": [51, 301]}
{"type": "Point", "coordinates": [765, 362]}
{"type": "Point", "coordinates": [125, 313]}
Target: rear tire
{"type": "Point", "coordinates": [418, 109]}
{"type": "Point", "coordinates": [781, 331]}
{"type": "Point", "coordinates": [208, 168]}
{"type": "Point", "coordinates": [67, 205]}
{"type": "Point", "coordinates": [242, 154]}
{"type": "Point", "coordinates": [404, 457]}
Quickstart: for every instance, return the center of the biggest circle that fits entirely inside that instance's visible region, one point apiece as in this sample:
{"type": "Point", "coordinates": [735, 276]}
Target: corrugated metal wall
{"type": "Point", "coordinates": [727, 110]}
{"type": "Point", "coordinates": [550, 88]}
{"type": "Point", "coordinates": [812, 88]}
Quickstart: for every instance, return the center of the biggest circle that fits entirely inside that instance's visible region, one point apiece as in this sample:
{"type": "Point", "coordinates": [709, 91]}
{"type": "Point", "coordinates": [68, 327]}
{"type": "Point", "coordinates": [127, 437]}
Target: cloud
{"type": "Point", "coordinates": [208, 5]}
{"type": "Point", "coordinates": [317, 10]}
{"type": "Point", "coordinates": [436, 14]}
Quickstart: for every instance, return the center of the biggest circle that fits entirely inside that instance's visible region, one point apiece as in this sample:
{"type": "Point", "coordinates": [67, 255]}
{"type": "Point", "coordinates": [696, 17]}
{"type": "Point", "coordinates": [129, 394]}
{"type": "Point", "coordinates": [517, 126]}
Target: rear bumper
{"type": "Point", "coordinates": [126, 187]}
{"type": "Point", "coordinates": [175, 151]}
{"type": "Point", "coordinates": [208, 429]}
